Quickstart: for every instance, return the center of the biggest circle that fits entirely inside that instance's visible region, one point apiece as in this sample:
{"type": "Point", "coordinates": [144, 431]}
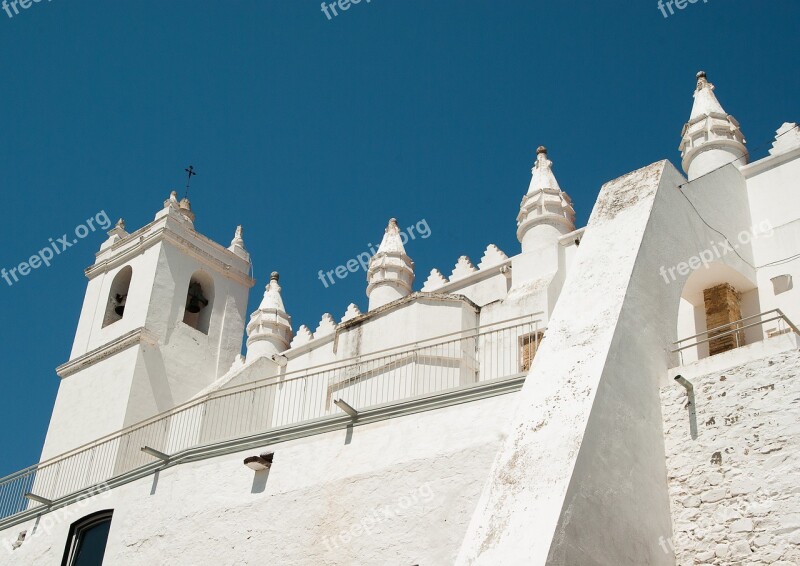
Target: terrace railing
{"type": "Point", "coordinates": [736, 329]}
{"type": "Point", "coordinates": [427, 368]}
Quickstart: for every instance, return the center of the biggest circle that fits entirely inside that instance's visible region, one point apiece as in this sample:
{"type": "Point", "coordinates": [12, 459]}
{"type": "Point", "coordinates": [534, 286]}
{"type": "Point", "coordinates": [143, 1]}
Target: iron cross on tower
{"type": "Point", "coordinates": [190, 173]}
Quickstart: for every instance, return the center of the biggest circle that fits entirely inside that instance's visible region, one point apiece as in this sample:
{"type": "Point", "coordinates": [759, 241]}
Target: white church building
{"type": "Point", "coordinates": [622, 394]}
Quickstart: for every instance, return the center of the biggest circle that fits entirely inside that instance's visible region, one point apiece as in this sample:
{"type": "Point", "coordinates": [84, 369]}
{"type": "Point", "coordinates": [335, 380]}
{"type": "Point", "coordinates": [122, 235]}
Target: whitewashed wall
{"type": "Point", "coordinates": [397, 492]}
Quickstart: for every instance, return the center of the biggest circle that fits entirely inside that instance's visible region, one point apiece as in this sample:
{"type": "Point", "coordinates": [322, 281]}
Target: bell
{"type": "Point", "coordinates": [119, 308]}
{"type": "Point", "coordinates": [193, 305]}
{"type": "Point", "coordinates": [195, 301]}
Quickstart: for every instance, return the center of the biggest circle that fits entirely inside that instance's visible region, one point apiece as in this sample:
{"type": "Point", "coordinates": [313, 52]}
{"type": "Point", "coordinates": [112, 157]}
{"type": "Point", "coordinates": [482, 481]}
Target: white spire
{"type": "Point", "coordinates": [391, 272]}
{"type": "Point", "coordinates": [270, 329]}
{"type": "Point", "coordinates": [711, 138]}
{"type": "Point", "coordinates": [542, 173]}
{"type": "Point", "coordinates": [392, 241]}
{"type": "Point", "coordinates": [546, 212]}
{"type": "Point", "coordinates": [237, 244]}
{"type": "Point", "coordinates": [705, 101]}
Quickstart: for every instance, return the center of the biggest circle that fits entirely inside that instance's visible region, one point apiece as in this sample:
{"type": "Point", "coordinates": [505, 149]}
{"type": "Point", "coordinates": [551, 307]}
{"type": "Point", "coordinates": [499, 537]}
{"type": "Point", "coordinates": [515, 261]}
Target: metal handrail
{"type": "Point", "coordinates": [285, 377]}
{"type": "Point", "coordinates": [735, 328]}
{"type": "Point", "coordinates": [360, 358]}
{"type": "Point", "coordinates": [484, 354]}
{"type": "Point", "coordinates": [735, 322]}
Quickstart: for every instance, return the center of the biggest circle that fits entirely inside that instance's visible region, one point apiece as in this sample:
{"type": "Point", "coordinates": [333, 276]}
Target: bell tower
{"type": "Point", "coordinates": [163, 317]}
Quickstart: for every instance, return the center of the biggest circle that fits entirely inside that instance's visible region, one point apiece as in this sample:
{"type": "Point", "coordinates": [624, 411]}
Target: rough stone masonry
{"type": "Point", "coordinates": [735, 488]}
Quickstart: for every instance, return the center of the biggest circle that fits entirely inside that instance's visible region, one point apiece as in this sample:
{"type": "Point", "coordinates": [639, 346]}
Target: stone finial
{"type": "Point", "coordinates": [170, 205]}
{"type": "Point", "coordinates": [392, 241]}
{"type": "Point", "coordinates": [327, 325]}
{"type": "Point", "coordinates": [172, 200]}
{"type": "Point", "coordinates": [492, 256]}
{"type": "Point", "coordinates": [705, 102]}
{"type": "Point", "coordinates": [391, 272]}
{"type": "Point", "coordinates": [542, 176]}
{"type": "Point", "coordinates": [303, 336]}
{"type": "Point", "coordinates": [185, 206]}
{"type": "Point", "coordinates": [237, 244]}
{"type": "Point", "coordinates": [351, 312]}
{"type": "Point", "coordinates": [118, 229]}
{"type": "Point", "coordinates": [463, 268]}
{"type": "Point", "coordinates": [270, 328]}
{"type": "Point", "coordinates": [702, 81]}
{"type": "Point", "coordinates": [435, 280]}
{"type": "Point", "coordinates": [116, 234]}
{"type": "Point", "coordinates": [546, 212]}
{"type": "Point", "coordinates": [238, 234]}
{"type": "Point", "coordinates": [272, 295]}
{"type": "Point", "coordinates": [710, 131]}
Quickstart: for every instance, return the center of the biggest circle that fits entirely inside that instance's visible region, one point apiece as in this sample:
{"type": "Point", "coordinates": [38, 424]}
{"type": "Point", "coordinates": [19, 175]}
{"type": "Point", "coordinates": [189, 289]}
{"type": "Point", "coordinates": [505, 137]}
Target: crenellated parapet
{"type": "Point", "coordinates": [352, 312]}
{"type": "Point", "coordinates": [303, 337]}
{"type": "Point", "coordinates": [435, 280]}
{"type": "Point", "coordinates": [326, 326]}
{"type": "Point", "coordinates": [491, 257]}
{"type": "Point", "coordinates": [465, 269]}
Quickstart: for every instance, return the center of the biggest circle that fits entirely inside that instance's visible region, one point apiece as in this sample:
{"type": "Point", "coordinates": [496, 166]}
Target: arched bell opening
{"type": "Point", "coordinates": [199, 302]}
{"type": "Point", "coordinates": [118, 296]}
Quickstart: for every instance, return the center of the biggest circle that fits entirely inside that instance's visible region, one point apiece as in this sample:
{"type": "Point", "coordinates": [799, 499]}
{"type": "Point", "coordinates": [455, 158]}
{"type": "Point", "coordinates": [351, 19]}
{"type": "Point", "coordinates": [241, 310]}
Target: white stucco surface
{"type": "Point", "coordinates": [577, 413]}
{"type": "Point", "coordinates": [102, 391]}
{"type": "Point", "coordinates": [397, 492]}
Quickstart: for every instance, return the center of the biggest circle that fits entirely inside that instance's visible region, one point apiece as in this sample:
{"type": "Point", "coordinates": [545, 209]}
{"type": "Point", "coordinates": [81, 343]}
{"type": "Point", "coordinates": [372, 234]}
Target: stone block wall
{"type": "Point", "coordinates": [723, 306]}
{"type": "Point", "coordinates": [733, 463]}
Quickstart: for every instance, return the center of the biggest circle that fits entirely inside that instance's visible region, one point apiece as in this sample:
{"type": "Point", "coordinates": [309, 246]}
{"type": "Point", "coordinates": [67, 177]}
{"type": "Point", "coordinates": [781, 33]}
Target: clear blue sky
{"type": "Point", "coordinates": [312, 133]}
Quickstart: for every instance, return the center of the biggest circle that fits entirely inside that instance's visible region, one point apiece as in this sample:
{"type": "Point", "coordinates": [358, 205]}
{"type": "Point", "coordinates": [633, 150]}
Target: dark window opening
{"type": "Point", "coordinates": [87, 540]}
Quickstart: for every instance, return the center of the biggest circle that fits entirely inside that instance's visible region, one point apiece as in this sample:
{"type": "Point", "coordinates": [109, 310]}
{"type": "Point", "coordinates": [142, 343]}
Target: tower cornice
{"type": "Point", "coordinates": [174, 231]}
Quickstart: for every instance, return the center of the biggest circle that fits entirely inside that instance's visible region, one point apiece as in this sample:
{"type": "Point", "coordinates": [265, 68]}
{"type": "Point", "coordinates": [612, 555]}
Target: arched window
{"type": "Point", "coordinates": [714, 300]}
{"type": "Point", "coordinates": [118, 296]}
{"type": "Point", "coordinates": [87, 540]}
{"type": "Point", "coordinates": [199, 302]}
